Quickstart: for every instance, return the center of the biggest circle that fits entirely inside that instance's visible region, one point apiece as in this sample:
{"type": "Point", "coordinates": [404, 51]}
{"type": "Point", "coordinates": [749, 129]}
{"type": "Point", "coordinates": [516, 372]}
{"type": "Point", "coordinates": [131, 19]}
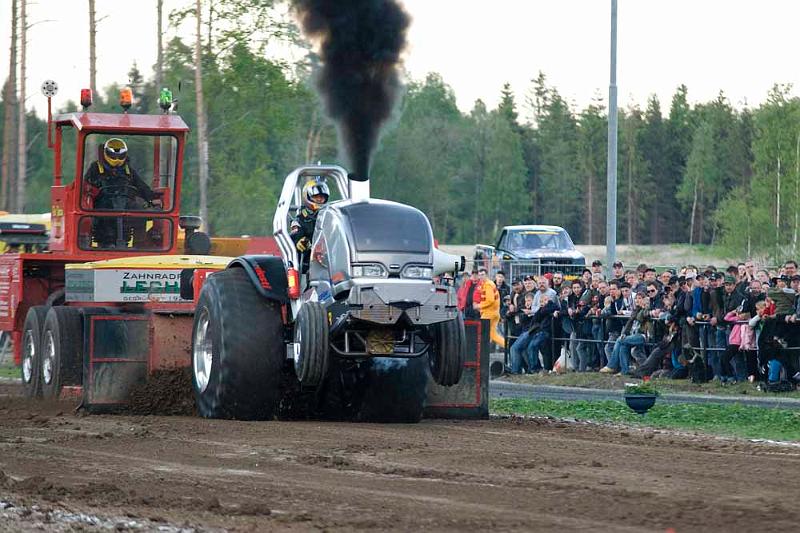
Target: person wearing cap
{"type": "Point", "coordinates": [651, 276]}
{"type": "Point", "coordinates": [529, 282]}
{"type": "Point", "coordinates": [586, 276]}
{"type": "Point", "coordinates": [783, 296]}
{"type": "Point", "coordinates": [718, 332]}
{"type": "Point", "coordinates": [731, 301]}
{"type": "Point", "coordinates": [617, 272]}
{"type": "Point", "coordinates": [613, 313]}
{"type": "Point", "coordinates": [597, 266]}
{"type": "Point", "coordinates": [111, 183]}
{"type": "Point", "coordinates": [696, 306]}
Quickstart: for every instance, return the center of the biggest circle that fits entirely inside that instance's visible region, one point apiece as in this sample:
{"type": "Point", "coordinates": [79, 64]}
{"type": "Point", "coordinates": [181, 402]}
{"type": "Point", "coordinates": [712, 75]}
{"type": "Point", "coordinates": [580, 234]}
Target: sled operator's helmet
{"type": "Point", "coordinates": [315, 194]}
{"type": "Point", "coordinates": [115, 152]}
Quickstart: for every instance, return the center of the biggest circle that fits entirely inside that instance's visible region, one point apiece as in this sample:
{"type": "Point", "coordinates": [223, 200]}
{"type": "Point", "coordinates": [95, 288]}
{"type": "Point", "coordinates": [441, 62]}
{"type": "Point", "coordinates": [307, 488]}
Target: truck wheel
{"type": "Point", "coordinates": [31, 351]}
{"type": "Point", "coordinates": [394, 390]}
{"type": "Point", "coordinates": [311, 344]}
{"type": "Point", "coordinates": [237, 350]}
{"type": "Point", "coordinates": [446, 356]}
{"type": "Point", "coordinates": [62, 343]}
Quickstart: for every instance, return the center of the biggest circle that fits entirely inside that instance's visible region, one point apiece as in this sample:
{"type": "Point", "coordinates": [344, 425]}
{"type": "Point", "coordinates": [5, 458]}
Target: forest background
{"type": "Point", "coordinates": [706, 173]}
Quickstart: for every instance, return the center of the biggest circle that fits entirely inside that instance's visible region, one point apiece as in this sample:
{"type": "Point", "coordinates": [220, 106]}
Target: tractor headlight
{"type": "Point", "coordinates": [417, 272]}
{"type": "Point", "coordinates": [370, 270]}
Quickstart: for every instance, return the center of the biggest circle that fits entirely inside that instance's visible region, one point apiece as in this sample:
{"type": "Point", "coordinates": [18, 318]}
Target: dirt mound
{"type": "Point", "coordinates": [166, 392]}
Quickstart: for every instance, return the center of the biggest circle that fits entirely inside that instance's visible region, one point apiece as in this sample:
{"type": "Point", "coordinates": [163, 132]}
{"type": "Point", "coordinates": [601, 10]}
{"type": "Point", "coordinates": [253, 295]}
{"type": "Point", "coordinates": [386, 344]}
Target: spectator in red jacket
{"type": "Point", "coordinates": [466, 296]}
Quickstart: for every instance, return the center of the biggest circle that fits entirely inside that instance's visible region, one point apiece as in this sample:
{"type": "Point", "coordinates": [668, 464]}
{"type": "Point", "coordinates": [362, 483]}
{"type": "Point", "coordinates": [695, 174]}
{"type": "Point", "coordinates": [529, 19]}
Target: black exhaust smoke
{"type": "Point", "coordinates": [360, 42]}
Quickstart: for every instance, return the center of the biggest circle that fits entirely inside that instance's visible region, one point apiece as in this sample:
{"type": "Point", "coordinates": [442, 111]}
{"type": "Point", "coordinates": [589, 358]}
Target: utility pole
{"type": "Point", "coordinates": [202, 136]}
{"type": "Point", "coordinates": [22, 132]}
{"type": "Point", "coordinates": [160, 56]}
{"type": "Point", "coordinates": [92, 49]}
{"type": "Point", "coordinates": [611, 192]}
{"type": "Point", "coordinates": [8, 181]}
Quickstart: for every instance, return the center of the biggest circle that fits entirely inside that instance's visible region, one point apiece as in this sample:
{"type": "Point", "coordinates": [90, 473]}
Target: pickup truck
{"type": "Point", "coordinates": [532, 249]}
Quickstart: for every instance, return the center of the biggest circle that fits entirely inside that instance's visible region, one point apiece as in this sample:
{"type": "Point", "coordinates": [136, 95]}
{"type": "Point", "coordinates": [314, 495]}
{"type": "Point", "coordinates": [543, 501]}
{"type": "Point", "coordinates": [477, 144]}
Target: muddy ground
{"type": "Point", "coordinates": [64, 471]}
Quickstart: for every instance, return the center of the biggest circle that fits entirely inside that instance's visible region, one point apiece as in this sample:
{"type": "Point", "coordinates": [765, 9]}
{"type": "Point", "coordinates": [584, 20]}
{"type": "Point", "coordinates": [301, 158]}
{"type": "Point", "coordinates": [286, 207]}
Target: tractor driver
{"type": "Point", "coordinates": [315, 195]}
{"type": "Point", "coordinates": [112, 184]}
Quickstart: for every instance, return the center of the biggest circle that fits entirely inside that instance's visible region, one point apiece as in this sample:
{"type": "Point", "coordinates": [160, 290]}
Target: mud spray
{"type": "Point", "coordinates": [359, 44]}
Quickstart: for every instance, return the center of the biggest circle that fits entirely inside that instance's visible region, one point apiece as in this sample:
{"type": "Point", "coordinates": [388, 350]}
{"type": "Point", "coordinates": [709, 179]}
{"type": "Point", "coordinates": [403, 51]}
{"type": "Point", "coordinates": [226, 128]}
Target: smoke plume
{"type": "Point", "coordinates": [360, 42]}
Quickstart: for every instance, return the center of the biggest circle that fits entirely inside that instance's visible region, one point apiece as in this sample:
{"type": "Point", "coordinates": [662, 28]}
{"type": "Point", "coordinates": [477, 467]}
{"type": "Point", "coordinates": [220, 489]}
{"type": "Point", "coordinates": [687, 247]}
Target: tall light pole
{"type": "Point", "coordinates": [611, 191]}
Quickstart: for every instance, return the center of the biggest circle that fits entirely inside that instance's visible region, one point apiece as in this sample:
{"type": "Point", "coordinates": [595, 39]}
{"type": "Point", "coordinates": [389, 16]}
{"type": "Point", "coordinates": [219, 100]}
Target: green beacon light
{"type": "Point", "coordinates": [165, 99]}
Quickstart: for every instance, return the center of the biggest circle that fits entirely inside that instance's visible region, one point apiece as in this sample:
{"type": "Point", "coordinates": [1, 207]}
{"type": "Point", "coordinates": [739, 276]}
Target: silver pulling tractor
{"type": "Point", "coordinates": [352, 334]}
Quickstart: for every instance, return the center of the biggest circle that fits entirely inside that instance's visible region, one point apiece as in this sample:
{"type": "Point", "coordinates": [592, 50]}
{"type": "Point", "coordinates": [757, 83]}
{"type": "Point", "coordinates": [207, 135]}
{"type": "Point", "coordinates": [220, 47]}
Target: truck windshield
{"type": "Point", "coordinates": [538, 239]}
{"type": "Point", "coordinates": [388, 228]}
{"type": "Point", "coordinates": [142, 179]}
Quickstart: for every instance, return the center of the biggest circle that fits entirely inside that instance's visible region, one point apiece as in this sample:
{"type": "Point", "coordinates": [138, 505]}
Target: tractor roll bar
{"type": "Point", "coordinates": [290, 201]}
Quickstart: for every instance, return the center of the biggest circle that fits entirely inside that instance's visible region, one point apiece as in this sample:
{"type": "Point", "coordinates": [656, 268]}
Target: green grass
{"type": "Point", "coordinates": [595, 380]}
{"type": "Point", "coordinates": [9, 372]}
{"type": "Point", "coordinates": [729, 420]}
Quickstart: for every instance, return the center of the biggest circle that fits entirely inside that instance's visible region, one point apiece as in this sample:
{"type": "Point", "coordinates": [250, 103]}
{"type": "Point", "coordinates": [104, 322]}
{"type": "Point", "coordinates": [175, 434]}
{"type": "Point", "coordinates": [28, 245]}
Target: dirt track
{"type": "Point", "coordinates": [172, 472]}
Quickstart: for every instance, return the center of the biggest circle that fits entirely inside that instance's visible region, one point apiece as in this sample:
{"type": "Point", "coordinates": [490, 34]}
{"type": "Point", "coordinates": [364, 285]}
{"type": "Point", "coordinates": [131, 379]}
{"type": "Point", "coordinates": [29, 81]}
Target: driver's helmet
{"type": "Point", "coordinates": [115, 152]}
{"type": "Point", "coordinates": [315, 194]}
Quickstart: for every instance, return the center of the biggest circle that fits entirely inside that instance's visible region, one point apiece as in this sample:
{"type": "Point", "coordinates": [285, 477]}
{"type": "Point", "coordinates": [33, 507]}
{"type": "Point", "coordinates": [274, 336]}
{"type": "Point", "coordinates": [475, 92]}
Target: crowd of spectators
{"type": "Point", "coordinates": [730, 325]}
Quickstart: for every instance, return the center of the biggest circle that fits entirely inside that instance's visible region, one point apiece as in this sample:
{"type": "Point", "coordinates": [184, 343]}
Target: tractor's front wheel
{"type": "Point", "coordinates": [311, 351]}
{"type": "Point", "coordinates": [237, 350]}
{"type": "Point", "coordinates": [31, 351]}
{"type": "Point", "coordinates": [446, 356]}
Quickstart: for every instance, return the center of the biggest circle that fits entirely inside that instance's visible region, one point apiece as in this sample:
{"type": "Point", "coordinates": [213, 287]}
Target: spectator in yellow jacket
{"type": "Point", "coordinates": [489, 306]}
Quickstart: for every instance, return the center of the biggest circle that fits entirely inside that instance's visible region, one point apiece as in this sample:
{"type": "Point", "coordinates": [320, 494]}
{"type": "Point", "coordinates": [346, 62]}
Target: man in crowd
{"type": "Point", "coordinates": [503, 289]}
{"type": "Point", "coordinates": [529, 282]}
{"type": "Point", "coordinates": [515, 309]}
{"type": "Point", "coordinates": [597, 266]}
{"type": "Point", "coordinates": [544, 289]}
{"type": "Point", "coordinates": [557, 281]}
{"type": "Point", "coordinates": [617, 272]}
{"type": "Point", "coordinates": [488, 305]}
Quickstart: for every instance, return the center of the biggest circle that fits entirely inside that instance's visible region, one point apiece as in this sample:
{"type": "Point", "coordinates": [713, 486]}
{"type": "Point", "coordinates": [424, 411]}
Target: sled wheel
{"type": "Point", "coordinates": [237, 350]}
{"type": "Point", "coordinates": [31, 351]}
{"type": "Point", "coordinates": [311, 344]}
{"type": "Point", "coordinates": [61, 348]}
{"type": "Point", "coordinates": [447, 354]}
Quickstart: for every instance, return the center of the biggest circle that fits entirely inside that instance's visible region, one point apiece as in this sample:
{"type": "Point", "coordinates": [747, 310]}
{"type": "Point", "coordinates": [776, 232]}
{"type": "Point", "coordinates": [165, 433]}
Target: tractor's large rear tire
{"type": "Point", "coordinates": [62, 345]}
{"type": "Point", "coordinates": [31, 351]}
{"type": "Point", "coordinates": [447, 353]}
{"type": "Point", "coordinates": [394, 390]}
{"type": "Point", "coordinates": [237, 350]}
{"type": "Point", "coordinates": [311, 351]}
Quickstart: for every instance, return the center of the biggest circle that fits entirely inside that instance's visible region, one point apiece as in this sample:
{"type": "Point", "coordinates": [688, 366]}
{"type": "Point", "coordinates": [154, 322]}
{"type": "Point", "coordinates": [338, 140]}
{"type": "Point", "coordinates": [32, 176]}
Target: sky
{"type": "Point", "coordinates": [740, 47]}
